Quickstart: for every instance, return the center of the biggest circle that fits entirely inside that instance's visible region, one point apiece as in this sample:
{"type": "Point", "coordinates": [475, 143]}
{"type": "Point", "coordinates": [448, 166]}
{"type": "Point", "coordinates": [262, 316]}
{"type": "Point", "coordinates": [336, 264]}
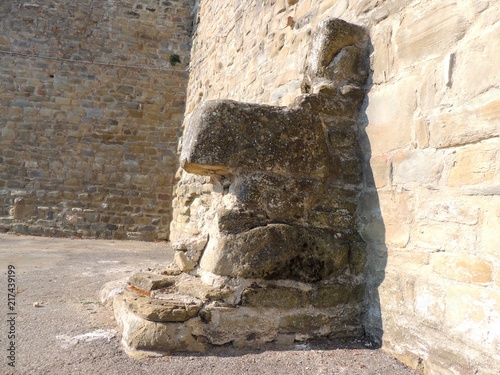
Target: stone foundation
{"type": "Point", "coordinates": [91, 110]}
{"type": "Point", "coordinates": [278, 262]}
{"type": "Point", "coordinates": [183, 313]}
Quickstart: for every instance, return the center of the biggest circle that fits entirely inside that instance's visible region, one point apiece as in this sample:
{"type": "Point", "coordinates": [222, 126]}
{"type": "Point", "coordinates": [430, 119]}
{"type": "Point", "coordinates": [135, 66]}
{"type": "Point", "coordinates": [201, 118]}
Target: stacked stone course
{"type": "Point", "coordinates": [280, 263]}
{"type": "Point", "coordinates": [90, 114]}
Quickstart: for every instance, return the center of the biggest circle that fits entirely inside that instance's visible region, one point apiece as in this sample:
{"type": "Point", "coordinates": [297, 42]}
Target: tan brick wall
{"type": "Point", "coordinates": [431, 123]}
{"type": "Point", "coordinates": [90, 115]}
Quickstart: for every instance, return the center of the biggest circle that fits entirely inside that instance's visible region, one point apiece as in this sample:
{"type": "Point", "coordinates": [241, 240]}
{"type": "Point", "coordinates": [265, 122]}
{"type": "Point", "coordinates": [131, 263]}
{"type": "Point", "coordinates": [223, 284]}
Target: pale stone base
{"type": "Point", "coordinates": [190, 315]}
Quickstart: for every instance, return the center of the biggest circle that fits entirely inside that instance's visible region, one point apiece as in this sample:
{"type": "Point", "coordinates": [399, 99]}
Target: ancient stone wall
{"type": "Point", "coordinates": [429, 209]}
{"type": "Point", "coordinates": [91, 106]}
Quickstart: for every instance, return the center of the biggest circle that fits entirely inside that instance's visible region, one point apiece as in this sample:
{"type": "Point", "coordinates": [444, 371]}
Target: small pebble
{"type": "Point", "coordinates": [37, 304]}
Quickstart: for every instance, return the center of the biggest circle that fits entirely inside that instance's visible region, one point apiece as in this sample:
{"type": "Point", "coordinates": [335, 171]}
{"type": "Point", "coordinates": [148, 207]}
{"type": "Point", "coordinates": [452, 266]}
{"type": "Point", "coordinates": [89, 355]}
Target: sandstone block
{"type": "Point", "coordinates": [446, 208]}
{"type": "Point", "coordinates": [408, 258]}
{"type": "Point", "coordinates": [306, 325]}
{"type": "Point", "coordinates": [383, 55]}
{"type": "Point", "coordinates": [145, 338]}
{"type": "Point", "coordinates": [240, 324]}
{"type": "Point", "coordinates": [392, 297]}
{"type": "Point", "coordinates": [236, 126]}
{"type": "Point", "coordinates": [475, 57]}
{"type": "Point", "coordinates": [467, 124]}
{"type": "Point", "coordinates": [396, 214]}
{"type": "Point", "coordinates": [390, 114]}
{"type": "Point", "coordinates": [431, 32]}
{"type": "Point", "coordinates": [370, 222]}
{"type": "Point", "coordinates": [277, 251]}
{"type": "Point", "coordinates": [462, 268]}
{"type": "Point", "coordinates": [274, 297]}
{"type": "Point", "coordinates": [196, 288]}
{"type": "Point", "coordinates": [450, 237]}
{"type": "Point", "coordinates": [380, 168]}
{"type": "Point", "coordinates": [150, 281]}
{"type": "Point", "coordinates": [192, 248]}
{"type": "Point", "coordinates": [472, 312]}
{"type": "Point", "coordinates": [429, 303]}
{"type": "Point", "coordinates": [422, 167]}
{"type": "Point", "coordinates": [183, 262]}
{"type": "Point", "coordinates": [328, 296]}
{"type": "Point", "coordinates": [337, 57]}
{"type": "Point", "coordinates": [491, 228]}
{"type": "Point", "coordinates": [111, 289]}
{"type": "Point", "coordinates": [171, 270]}
{"type": "Point", "coordinates": [23, 211]}
{"type": "Point", "coordinates": [358, 256]}
{"type": "Point", "coordinates": [174, 308]}
{"type": "Point", "coordinates": [475, 164]}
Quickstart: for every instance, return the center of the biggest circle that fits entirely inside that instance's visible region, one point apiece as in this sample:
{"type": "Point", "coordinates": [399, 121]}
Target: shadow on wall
{"type": "Point", "coordinates": [371, 227]}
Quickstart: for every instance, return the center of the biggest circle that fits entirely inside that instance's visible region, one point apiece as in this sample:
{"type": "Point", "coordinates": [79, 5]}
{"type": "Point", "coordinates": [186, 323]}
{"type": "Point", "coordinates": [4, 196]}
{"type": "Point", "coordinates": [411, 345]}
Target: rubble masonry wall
{"type": "Point", "coordinates": [91, 109]}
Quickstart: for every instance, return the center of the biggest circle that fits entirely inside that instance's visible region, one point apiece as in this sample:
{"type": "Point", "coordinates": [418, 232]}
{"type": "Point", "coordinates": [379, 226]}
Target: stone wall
{"type": "Point", "coordinates": [91, 108]}
{"type": "Point", "coordinates": [429, 210]}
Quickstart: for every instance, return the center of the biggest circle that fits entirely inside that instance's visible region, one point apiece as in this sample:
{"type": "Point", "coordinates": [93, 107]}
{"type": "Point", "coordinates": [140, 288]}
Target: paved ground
{"type": "Point", "coordinates": [61, 328]}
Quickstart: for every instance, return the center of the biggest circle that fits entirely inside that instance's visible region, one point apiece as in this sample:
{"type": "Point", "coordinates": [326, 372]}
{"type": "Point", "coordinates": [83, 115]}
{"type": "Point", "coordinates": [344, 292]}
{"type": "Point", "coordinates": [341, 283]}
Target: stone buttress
{"type": "Point", "coordinates": [282, 260]}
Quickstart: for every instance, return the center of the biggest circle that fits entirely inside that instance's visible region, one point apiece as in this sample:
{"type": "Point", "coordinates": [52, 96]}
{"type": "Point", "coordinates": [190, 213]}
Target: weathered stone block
{"type": "Point", "coordinates": [150, 281]}
{"type": "Point", "coordinates": [474, 57]}
{"type": "Point", "coordinates": [423, 34]}
{"type": "Point", "coordinates": [177, 308]}
{"type": "Point", "coordinates": [429, 303]}
{"type": "Point", "coordinates": [462, 268]}
{"type": "Point", "coordinates": [451, 238]}
{"type": "Point", "coordinates": [446, 209]}
{"type": "Point", "coordinates": [472, 312]}
{"type": "Point", "coordinates": [357, 256]}
{"type": "Point", "coordinates": [305, 324]}
{"type": "Point", "coordinates": [381, 170]}
{"type": "Point", "coordinates": [111, 289]}
{"type": "Point", "coordinates": [328, 296]}
{"type": "Point", "coordinates": [224, 136]}
{"type": "Point", "coordinates": [196, 288]}
{"type": "Point", "coordinates": [337, 57]}
{"type": "Point", "coordinates": [183, 262]}
{"type": "Point", "coordinates": [22, 211]}
{"type": "Point", "coordinates": [274, 297]}
{"type": "Point", "coordinates": [278, 251]}
{"type": "Point", "coordinates": [140, 335]}
{"type": "Point", "coordinates": [383, 56]}
{"type": "Point", "coordinates": [491, 228]}
{"type": "Point", "coordinates": [475, 164]}
{"type": "Point", "coordinates": [422, 167]}
{"type": "Point", "coordinates": [390, 114]}
{"type": "Point", "coordinates": [467, 124]}
{"type": "Point", "coordinates": [397, 215]}
{"type": "Point", "coordinates": [236, 324]}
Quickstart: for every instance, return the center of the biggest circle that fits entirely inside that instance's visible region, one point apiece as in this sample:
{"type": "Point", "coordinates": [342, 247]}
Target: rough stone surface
{"type": "Point", "coordinates": [171, 308]}
{"type": "Point", "coordinates": [140, 335]}
{"type": "Point", "coordinates": [147, 281]}
{"type": "Point", "coordinates": [278, 251]}
{"type": "Point", "coordinates": [226, 136]}
{"type": "Point", "coordinates": [182, 262]}
{"type": "Point", "coordinates": [277, 162]}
